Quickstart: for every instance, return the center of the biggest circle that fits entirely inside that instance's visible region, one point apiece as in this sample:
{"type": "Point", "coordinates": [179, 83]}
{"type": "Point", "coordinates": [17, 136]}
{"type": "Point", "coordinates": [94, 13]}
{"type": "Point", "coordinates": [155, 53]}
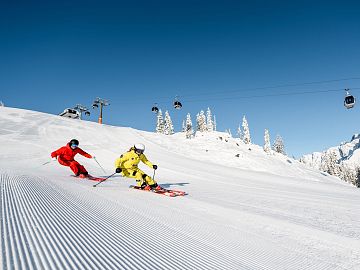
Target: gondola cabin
{"type": "Point", "coordinates": [349, 102]}
{"type": "Point", "coordinates": [177, 105]}
{"type": "Point", "coordinates": [70, 113]}
{"type": "Point", "coordinates": [155, 109]}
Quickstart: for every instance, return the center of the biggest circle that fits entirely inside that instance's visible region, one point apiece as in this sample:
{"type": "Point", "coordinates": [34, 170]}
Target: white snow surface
{"type": "Point", "coordinates": [244, 209]}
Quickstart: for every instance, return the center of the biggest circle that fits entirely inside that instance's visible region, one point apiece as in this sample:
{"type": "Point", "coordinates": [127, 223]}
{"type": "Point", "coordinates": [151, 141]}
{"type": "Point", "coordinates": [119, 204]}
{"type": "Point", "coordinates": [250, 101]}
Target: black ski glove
{"type": "Point", "coordinates": [155, 167]}
{"type": "Point", "coordinates": [118, 170]}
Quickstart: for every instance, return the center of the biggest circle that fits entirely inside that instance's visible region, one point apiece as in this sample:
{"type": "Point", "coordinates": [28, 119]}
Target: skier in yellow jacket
{"type": "Point", "coordinates": [127, 165]}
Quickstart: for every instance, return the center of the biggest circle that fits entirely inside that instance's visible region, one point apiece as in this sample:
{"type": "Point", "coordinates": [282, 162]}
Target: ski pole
{"type": "Point", "coordinates": [104, 179]}
{"type": "Point", "coordinates": [154, 175]}
{"type": "Point", "coordinates": [47, 162]}
{"type": "Point", "coordinates": [99, 165]}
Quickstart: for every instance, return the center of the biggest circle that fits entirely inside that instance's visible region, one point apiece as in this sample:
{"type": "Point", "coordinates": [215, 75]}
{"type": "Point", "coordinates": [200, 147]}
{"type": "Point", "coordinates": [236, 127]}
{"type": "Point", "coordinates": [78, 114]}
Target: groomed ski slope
{"type": "Point", "coordinates": [250, 211]}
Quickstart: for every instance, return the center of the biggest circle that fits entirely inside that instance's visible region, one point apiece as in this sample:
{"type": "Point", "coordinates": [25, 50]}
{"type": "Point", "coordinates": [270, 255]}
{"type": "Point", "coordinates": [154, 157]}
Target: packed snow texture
{"type": "Point", "coordinates": [245, 209]}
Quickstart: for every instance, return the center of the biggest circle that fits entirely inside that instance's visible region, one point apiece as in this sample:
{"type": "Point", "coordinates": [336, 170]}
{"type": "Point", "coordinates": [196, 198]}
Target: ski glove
{"type": "Point", "coordinates": [118, 170]}
{"type": "Point", "coordinates": [154, 167]}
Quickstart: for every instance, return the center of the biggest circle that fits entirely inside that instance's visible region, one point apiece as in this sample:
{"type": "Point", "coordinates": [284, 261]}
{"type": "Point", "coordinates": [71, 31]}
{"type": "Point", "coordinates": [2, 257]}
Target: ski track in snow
{"type": "Point", "coordinates": [44, 227]}
{"type": "Point", "coordinates": [47, 225]}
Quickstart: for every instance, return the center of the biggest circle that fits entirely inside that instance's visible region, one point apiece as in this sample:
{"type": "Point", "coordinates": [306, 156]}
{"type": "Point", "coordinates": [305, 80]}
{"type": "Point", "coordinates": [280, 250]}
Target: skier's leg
{"type": "Point", "coordinates": [64, 162]}
{"type": "Point", "coordinates": [138, 175]}
{"type": "Point", "coordinates": [149, 181]}
{"type": "Point", "coordinates": [143, 178]}
{"type": "Point", "coordinates": [82, 170]}
{"type": "Point", "coordinates": [74, 166]}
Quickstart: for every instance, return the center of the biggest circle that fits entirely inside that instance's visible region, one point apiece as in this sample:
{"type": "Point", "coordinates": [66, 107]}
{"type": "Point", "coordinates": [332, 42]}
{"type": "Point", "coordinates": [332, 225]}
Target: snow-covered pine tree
{"type": "Point", "coordinates": [198, 122]}
{"type": "Point", "coordinates": [240, 133]}
{"type": "Point", "coordinates": [324, 162]}
{"type": "Point", "coordinates": [189, 128]}
{"type": "Point", "coordinates": [278, 145]}
{"type": "Point", "coordinates": [347, 173]}
{"type": "Point", "coordinates": [329, 164]}
{"type": "Point", "coordinates": [202, 121]}
{"type": "Point", "coordinates": [356, 181]}
{"type": "Point", "coordinates": [214, 123]}
{"type": "Point", "coordinates": [267, 146]}
{"type": "Point", "coordinates": [209, 121]}
{"type": "Point", "coordinates": [246, 131]}
{"type": "Point", "coordinates": [183, 126]}
{"type": "Point", "coordinates": [334, 164]}
{"type": "Point", "coordinates": [168, 127]}
{"type": "Point", "coordinates": [159, 123]}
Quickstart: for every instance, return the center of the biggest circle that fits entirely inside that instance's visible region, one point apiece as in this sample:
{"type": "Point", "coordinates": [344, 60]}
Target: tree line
{"type": "Point", "coordinates": [207, 123]}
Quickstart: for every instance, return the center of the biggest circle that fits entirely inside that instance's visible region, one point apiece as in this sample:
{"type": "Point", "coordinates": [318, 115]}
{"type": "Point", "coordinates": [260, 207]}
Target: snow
{"type": "Point", "coordinates": [245, 209]}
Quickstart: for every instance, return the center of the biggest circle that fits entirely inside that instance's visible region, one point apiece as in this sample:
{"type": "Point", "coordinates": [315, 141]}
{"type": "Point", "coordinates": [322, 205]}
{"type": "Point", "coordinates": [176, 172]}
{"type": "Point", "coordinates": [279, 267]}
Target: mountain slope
{"type": "Point", "coordinates": [347, 152]}
{"type": "Point", "coordinates": [245, 209]}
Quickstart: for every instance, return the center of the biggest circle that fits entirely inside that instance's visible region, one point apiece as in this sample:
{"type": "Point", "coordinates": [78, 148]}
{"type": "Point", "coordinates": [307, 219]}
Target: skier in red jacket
{"type": "Point", "coordinates": [65, 156]}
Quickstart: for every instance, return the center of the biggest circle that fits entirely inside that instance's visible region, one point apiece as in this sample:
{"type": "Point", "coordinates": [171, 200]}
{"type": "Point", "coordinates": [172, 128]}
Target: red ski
{"type": "Point", "coordinates": [90, 177]}
{"type": "Point", "coordinates": [164, 191]}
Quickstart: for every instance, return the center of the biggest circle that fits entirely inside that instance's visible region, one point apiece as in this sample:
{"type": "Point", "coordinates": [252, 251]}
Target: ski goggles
{"type": "Point", "coordinates": [139, 151]}
{"type": "Point", "coordinates": [74, 146]}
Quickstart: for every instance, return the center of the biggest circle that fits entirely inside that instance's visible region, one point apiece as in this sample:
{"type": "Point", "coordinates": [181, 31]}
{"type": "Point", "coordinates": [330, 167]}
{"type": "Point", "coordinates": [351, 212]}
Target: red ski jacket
{"type": "Point", "coordinates": [67, 154]}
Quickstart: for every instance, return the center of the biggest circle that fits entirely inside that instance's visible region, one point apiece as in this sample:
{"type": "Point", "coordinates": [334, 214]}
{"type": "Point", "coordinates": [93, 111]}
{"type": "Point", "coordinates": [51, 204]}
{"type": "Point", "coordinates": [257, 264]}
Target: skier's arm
{"type": "Point", "coordinates": [83, 153]}
{"type": "Point", "coordinates": [119, 162]}
{"type": "Point", "coordinates": [146, 161]}
{"type": "Point", "coordinates": [56, 153]}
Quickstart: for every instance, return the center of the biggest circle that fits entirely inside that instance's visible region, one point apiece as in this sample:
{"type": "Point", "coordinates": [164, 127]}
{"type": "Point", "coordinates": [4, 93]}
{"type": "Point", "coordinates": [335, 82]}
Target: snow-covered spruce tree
{"type": "Point", "coordinates": [333, 164]}
{"type": "Point", "coordinates": [202, 121]}
{"type": "Point", "coordinates": [267, 145]}
{"type": "Point", "coordinates": [329, 163]}
{"type": "Point", "coordinates": [356, 181]}
{"type": "Point", "coordinates": [347, 173]}
{"type": "Point", "coordinates": [168, 127]}
{"type": "Point", "coordinates": [246, 131]}
{"type": "Point", "coordinates": [324, 162]}
{"type": "Point", "coordinates": [209, 121]}
{"type": "Point", "coordinates": [214, 123]}
{"type": "Point", "coordinates": [159, 123]}
{"type": "Point", "coordinates": [278, 145]}
{"type": "Point", "coordinates": [183, 129]}
{"type": "Point", "coordinates": [198, 122]}
{"type": "Point", "coordinates": [189, 128]}
{"type": "Point", "coordinates": [240, 133]}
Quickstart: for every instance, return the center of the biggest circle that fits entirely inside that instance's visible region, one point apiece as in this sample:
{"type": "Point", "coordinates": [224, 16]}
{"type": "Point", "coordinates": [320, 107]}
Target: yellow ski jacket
{"type": "Point", "coordinates": [130, 160]}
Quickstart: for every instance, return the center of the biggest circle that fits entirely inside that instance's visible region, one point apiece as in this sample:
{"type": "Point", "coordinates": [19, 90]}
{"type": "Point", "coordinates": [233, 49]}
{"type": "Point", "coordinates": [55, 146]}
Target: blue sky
{"type": "Point", "coordinates": [235, 57]}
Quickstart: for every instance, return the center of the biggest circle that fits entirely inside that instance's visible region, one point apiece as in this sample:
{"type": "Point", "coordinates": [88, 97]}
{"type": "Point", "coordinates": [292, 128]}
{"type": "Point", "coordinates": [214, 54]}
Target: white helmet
{"type": "Point", "coordinates": [139, 147]}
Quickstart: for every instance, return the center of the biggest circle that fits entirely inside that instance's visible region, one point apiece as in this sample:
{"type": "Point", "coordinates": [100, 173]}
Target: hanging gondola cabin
{"type": "Point", "coordinates": [177, 105]}
{"type": "Point", "coordinates": [155, 109]}
{"type": "Point", "coordinates": [349, 101]}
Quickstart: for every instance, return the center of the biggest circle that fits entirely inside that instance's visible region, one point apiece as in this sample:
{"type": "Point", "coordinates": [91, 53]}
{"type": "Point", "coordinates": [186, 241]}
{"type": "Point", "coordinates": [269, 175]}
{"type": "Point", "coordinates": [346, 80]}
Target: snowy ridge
{"type": "Point", "coordinates": [347, 152]}
{"type": "Point", "coordinates": [250, 211]}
